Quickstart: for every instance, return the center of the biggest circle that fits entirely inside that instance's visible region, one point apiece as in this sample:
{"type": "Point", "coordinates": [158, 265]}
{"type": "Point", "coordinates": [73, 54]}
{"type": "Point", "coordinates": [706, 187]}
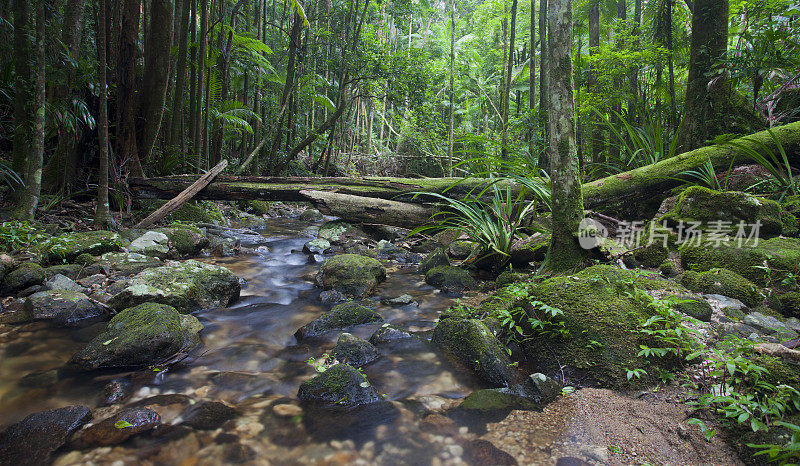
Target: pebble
{"type": "Point", "coordinates": [287, 410]}
{"type": "Point", "coordinates": [455, 450]}
{"type": "Point", "coordinates": [202, 391]}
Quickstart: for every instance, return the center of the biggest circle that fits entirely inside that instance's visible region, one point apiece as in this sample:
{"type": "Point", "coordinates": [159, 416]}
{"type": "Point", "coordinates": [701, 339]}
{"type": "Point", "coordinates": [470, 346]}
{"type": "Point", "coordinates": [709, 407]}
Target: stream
{"type": "Point", "coordinates": [249, 359]}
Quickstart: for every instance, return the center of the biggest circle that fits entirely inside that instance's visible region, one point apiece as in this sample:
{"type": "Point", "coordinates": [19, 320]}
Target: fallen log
{"type": "Point", "coordinates": [633, 194]}
{"type": "Point", "coordinates": [357, 209]}
{"type": "Point", "coordinates": [185, 196]}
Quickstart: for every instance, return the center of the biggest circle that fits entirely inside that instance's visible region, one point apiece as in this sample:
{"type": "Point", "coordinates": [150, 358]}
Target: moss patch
{"type": "Point", "coordinates": [780, 255]}
{"type": "Point", "coordinates": [724, 282]}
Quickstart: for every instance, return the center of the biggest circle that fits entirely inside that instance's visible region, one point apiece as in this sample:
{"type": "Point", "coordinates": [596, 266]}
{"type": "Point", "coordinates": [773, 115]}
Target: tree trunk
{"type": "Point", "coordinates": [451, 121]}
{"type": "Point", "coordinates": [23, 84]}
{"type": "Point", "coordinates": [102, 215]}
{"type": "Point", "coordinates": [507, 84]}
{"type": "Point", "coordinates": [596, 143]}
{"type": "Point", "coordinates": [125, 138]}
{"type": "Point", "coordinates": [544, 85]}
{"type": "Point", "coordinates": [26, 207]}
{"type": "Point", "coordinates": [705, 111]}
{"type": "Point", "coordinates": [156, 76]}
{"type": "Point", "coordinates": [532, 83]}
{"type": "Point", "coordinates": [567, 201]}
{"type": "Point", "coordinates": [183, 7]}
{"type": "Point", "coordinates": [360, 209]}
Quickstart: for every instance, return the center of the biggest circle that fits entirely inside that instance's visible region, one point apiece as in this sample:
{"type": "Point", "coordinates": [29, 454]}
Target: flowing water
{"type": "Point", "coordinates": [251, 360]}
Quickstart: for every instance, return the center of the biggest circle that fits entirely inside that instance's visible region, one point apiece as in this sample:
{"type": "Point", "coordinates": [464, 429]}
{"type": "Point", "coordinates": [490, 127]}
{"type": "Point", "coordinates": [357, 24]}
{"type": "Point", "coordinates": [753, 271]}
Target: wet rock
{"type": "Point", "coordinates": [221, 246]}
{"type": "Point", "coordinates": [340, 385]}
{"type": "Point", "coordinates": [571, 461]}
{"type": "Point", "coordinates": [186, 286]}
{"type": "Point", "coordinates": [64, 308]}
{"type": "Point", "coordinates": [351, 274]}
{"type": "Point", "coordinates": [68, 270]}
{"type": "Point", "coordinates": [152, 243]}
{"type": "Point", "coordinates": [450, 279]}
{"type": "Point", "coordinates": [25, 275]}
{"type": "Point", "coordinates": [128, 263]}
{"type": "Point", "coordinates": [389, 251]}
{"type": "Point", "coordinates": [341, 316]}
{"type": "Point", "coordinates": [186, 240]}
{"type": "Point", "coordinates": [72, 245]}
{"type": "Point", "coordinates": [118, 428]}
{"type": "Point", "coordinates": [460, 249]}
{"type": "Point", "coordinates": [354, 351]}
{"type": "Point", "coordinates": [437, 258]}
{"type": "Point", "coordinates": [438, 425]}
{"type": "Point", "coordinates": [311, 215]}
{"type": "Point", "coordinates": [140, 336]}
{"type": "Point", "coordinates": [332, 297]}
{"type": "Point", "coordinates": [92, 280]}
{"type": "Point", "coordinates": [332, 231]}
{"type": "Point", "coordinates": [388, 333]}
{"type": "Point", "coordinates": [32, 440]}
{"type": "Point", "coordinates": [401, 300]}
{"type": "Point", "coordinates": [740, 330]}
{"type": "Point", "coordinates": [693, 307]}
{"type": "Point", "coordinates": [317, 246]}
{"type": "Point", "coordinates": [547, 388]}
{"type": "Point", "coordinates": [61, 282]}
{"type": "Point", "coordinates": [116, 391]}
{"type": "Point", "coordinates": [531, 249]}
{"type": "Point", "coordinates": [236, 452]}
{"type": "Point", "coordinates": [723, 282]}
{"type": "Point", "coordinates": [471, 343]}
{"type": "Point", "coordinates": [209, 415]}
{"type": "Point", "coordinates": [769, 325]}
{"type": "Point", "coordinates": [494, 400]}
{"type": "Point", "coordinates": [484, 452]}
{"type": "Point", "coordinates": [42, 379]}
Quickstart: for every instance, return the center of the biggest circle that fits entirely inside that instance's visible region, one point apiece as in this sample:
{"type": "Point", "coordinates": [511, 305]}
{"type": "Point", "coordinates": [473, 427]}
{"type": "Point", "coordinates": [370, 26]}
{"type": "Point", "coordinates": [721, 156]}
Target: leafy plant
{"type": "Point", "coordinates": [786, 453]}
{"type": "Point", "coordinates": [775, 161]}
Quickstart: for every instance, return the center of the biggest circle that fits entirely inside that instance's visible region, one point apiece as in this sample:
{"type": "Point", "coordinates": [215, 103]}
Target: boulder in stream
{"type": "Point", "coordinates": [32, 440]}
{"type": "Point", "coordinates": [186, 286]}
{"type": "Point", "coordinates": [140, 336]}
{"type": "Point", "coordinates": [340, 385]}
{"type": "Point", "coordinates": [152, 243]}
{"type": "Point", "coordinates": [186, 240]}
{"type": "Point", "coordinates": [64, 308]}
{"type": "Point", "coordinates": [354, 351]}
{"type": "Point", "coordinates": [341, 316]}
{"type": "Point", "coordinates": [25, 275]}
{"type": "Point", "coordinates": [67, 247]}
{"type": "Point", "coordinates": [351, 274]}
{"type": "Point", "coordinates": [436, 258]}
{"type": "Point", "coordinates": [118, 428]}
{"type": "Point", "coordinates": [450, 279]}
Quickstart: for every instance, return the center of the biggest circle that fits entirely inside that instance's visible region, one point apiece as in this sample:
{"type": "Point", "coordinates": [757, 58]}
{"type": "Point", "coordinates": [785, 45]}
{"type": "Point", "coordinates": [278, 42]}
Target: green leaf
{"type": "Point", "coordinates": [122, 424]}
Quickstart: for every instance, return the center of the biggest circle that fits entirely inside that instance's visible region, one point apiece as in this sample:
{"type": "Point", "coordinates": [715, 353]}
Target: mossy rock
{"type": "Point", "coordinates": [780, 255]}
{"type": "Point", "coordinates": [603, 319]}
{"type": "Point", "coordinates": [508, 277]}
{"type": "Point", "coordinates": [340, 385]}
{"type": "Point", "coordinates": [531, 249]}
{"type": "Point", "coordinates": [186, 286]}
{"type": "Point", "coordinates": [186, 240]}
{"type": "Point", "coordinates": [652, 255]}
{"type": "Point", "coordinates": [331, 231]}
{"type": "Point", "coordinates": [25, 275]}
{"type": "Point", "coordinates": [65, 308]}
{"type": "Point", "coordinates": [733, 313]}
{"type": "Point", "coordinates": [790, 304]}
{"type": "Point", "coordinates": [140, 336]}
{"type": "Point", "coordinates": [473, 345]}
{"type": "Point", "coordinates": [311, 215]}
{"type": "Point", "coordinates": [496, 399]}
{"type": "Point", "coordinates": [257, 207]}
{"type": "Point", "coordinates": [341, 316]}
{"type": "Point", "coordinates": [354, 351]}
{"type": "Point", "coordinates": [461, 249]}
{"type": "Point", "coordinates": [67, 247]}
{"type": "Point", "coordinates": [693, 307]}
{"type": "Point", "coordinates": [200, 212]}
{"type": "Point", "coordinates": [435, 258]}
{"type": "Point", "coordinates": [699, 204]}
{"type": "Point", "coordinates": [128, 263]}
{"type": "Point", "coordinates": [450, 279]}
{"type": "Point", "coordinates": [68, 270]}
{"type": "Point", "coordinates": [351, 274]}
{"type": "Point", "coordinates": [724, 282]}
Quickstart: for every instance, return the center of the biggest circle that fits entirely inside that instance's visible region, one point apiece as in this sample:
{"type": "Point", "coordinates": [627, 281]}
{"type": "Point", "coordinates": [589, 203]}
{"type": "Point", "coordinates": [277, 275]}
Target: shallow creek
{"type": "Point", "coordinates": [251, 360]}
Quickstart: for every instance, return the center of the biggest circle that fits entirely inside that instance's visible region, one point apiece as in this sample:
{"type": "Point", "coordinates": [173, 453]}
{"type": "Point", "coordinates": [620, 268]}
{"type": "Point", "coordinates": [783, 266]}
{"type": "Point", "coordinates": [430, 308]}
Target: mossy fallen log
{"type": "Point", "coordinates": [358, 209]}
{"type": "Point", "coordinates": [633, 194]}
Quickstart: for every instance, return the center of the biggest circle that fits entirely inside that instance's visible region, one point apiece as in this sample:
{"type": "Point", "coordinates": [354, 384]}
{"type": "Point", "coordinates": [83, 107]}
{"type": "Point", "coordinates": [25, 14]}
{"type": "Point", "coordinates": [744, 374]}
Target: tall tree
{"type": "Point", "coordinates": [567, 198]}
{"type": "Point", "coordinates": [706, 105]}
{"type": "Point", "coordinates": [544, 86]}
{"type": "Point", "coordinates": [182, 10]}
{"type": "Point", "coordinates": [29, 200]}
{"type": "Point", "coordinates": [596, 137]}
{"type": "Point", "coordinates": [23, 83]}
{"type": "Point", "coordinates": [532, 82]}
{"type": "Point", "coordinates": [451, 121]}
{"type": "Point", "coordinates": [507, 84]}
{"type": "Point", "coordinates": [128, 49]}
{"type": "Point", "coordinates": [102, 214]}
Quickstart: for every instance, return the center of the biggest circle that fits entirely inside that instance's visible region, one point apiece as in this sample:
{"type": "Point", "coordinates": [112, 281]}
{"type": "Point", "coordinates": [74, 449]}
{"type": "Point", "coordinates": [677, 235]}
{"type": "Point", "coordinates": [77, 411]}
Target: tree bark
{"type": "Point", "coordinates": [507, 84]}
{"type": "Point", "coordinates": [359, 209]}
{"type": "Point", "coordinates": [102, 215]}
{"type": "Point", "coordinates": [544, 86]}
{"type": "Point", "coordinates": [567, 201]}
{"type": "Point", "coordinates": [156, 76]}
{"type": "Point", "coordinates": [23, 84]}
{"type": "Point", "coordinates": [26, 206]}
{"type": "Point", "coordinates": [451, 122]}
{"type": "Point", "coordinates": [183, 7]}
{"type": "Point", "coordinates": [596, 143]}
{"type": "Point", "coordinates": [125, 137]}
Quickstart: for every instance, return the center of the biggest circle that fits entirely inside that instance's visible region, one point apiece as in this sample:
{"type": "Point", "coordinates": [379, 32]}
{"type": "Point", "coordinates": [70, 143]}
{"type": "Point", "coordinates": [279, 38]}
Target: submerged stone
{"type": "Point", "coordinates": [32, 440]}
{"type": "Point", "coordinates": [65, 308]}
{"type": "Point", "coordinates": [340, 385]}
{"type": "Point", "coordinates": [118, 428]}
{"type": "Point", "coordinates": [341, 316]}
{"type": "Point", "coordinates": [354, 351]}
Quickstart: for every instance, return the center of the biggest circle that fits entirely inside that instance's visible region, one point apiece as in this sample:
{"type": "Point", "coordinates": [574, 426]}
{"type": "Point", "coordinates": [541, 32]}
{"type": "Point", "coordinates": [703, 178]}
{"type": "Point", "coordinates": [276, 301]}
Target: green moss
{"type": "Point", "coordinates": [27, 274]}
{"type": "Point", "coordinates": [781, 255]}
{"type": "Point", "coordinates": [341, 316]}
{"type": "Point", "coordinates": [331, 231]}
{"type": "Point", "coordinates": [724, 282]}
{"type": "Point", "coordinates": [790, 304]}
{"type": "Point", "coordinates": [187, 240]}
{"type": "Point", "coordinates": [352, 274]}
{"type": "Point", "coordinates": [451, 279]}
{"type": "Point", "coordinates": [257, 207]}
{"type": "Point", "coordinates": [200, 212]}
{"type": "Point", "coordinates": [533, 248]}
{"type": "Point", "coordinates": [652, 255]}
{"type": "Point", "coordinates": [734, 313]}
{"type": "Point", "coordinates": [67, 247]}
{"type": "Point", "coordinates": [694, 307]}
{"type": "Point", "coordinates": [779, 371]}
{"type": "Point", "coordinates": [341, 385]}
{"type": "Point", "coordinates": [436, 258]}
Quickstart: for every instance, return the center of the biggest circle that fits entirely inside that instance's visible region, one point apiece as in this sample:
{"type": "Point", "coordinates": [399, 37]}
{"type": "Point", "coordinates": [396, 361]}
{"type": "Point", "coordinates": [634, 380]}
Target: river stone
{"type": "Point", "coordinates": [532, 248]}
{"type": "Point", "coordinates": [402, 300]}
{"type": "Point", "coordinates": [341, 316]}
{"type": "Point", "coordinates": [66, 248]}
{"type": "Point", "coordinates": [311, 215]}
{"type": "Point", "coordinates": [437, 258]}
{"type": "Point", "coordinates": [340, 385]}
{"type": "Point", "coordinates": [140, 336]}
{"type": "Point", "coordinates": [460, 249]}
{"type": "Point", "coordinates": [65, 308]}
{"type": "Point", "coordinates": [450, 279]}
{"type": "Point", "coordinates": [769, 325]}
{"type": "Point", "coordinates": [128, 263]}
{"type": "Point", "coordinates": [152, 243]}
{"type": "Point", "coordinates": [331, 231]}
{"type": "Point", "coordinates": [61, 282]}
{"type": "Point", "coordinates": [351, 274]}
{"type": "Point", "coordinates": [118, 428]}
{"type": "Point", "coordinates": [32, 440]}
{"type": "Point", "coordinates": [24, 276]}
{"type": "Point", "coordinates": [692, 306]}
{"type": "Point", "coordinates": [208, 415]}
{"type": "Point", "coordinates": [317, 246]}
{"type": "Point", "coordinates": [472, 344]}
{"type": "Point", "coordinates": [186, 286]}
{"type": "Point", "coordinates": [116, 391]}
{"type": "Point", "coordinates": [388, 333]}
{"type": "Point", "coordinates": [354, 351]}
